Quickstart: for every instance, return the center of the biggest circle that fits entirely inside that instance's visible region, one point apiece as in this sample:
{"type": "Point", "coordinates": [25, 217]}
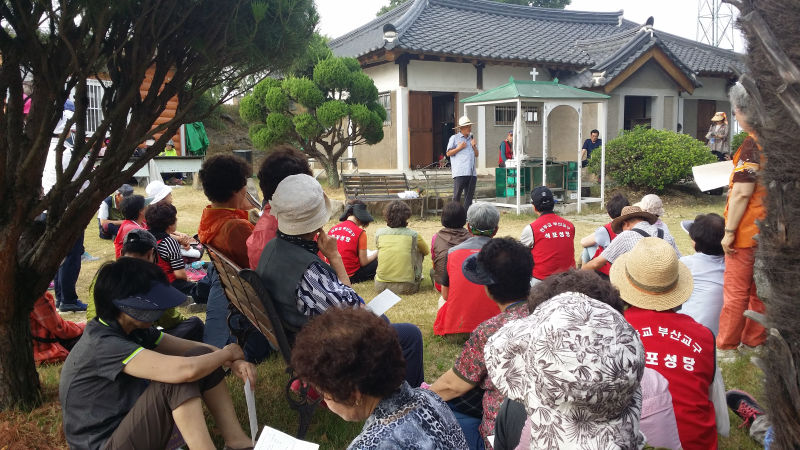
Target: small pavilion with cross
{"type": "Point", "coordinates": [553, 96]}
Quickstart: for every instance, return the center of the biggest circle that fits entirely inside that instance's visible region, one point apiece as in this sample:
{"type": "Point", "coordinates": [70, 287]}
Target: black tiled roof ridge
{"type": "Point", "coordinates": [686, 41]}
{"type": "Point", "coordinates": [624, 51]}
{"type": "Point", "coordinates": [625, 34]}
{"type": "Point", "coordinates": [532, 12]}
{"type": "Point", "coordinates": [370, 26]}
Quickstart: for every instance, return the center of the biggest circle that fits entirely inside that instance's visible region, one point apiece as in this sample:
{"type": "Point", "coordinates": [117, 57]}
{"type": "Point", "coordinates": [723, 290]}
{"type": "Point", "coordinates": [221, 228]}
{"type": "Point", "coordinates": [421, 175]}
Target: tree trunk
{"type": "Point", "coordinates": [19, 381]}
{"type": "Point", "coordinates": [772, 48]}
{"type": "Point", "coordinates": [333, 174]}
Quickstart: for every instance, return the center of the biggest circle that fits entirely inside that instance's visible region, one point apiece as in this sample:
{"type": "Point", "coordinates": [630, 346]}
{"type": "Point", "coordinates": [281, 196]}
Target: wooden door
{"type": "Point", "coordinates": [705, 111]}
{"type": "Point", "coordinates": [420, 129]}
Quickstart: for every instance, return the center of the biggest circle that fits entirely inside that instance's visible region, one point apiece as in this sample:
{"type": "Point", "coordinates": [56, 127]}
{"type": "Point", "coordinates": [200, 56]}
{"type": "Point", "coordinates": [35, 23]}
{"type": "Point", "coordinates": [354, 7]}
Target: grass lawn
{"type": "Point", "coordinates": [41, 428]}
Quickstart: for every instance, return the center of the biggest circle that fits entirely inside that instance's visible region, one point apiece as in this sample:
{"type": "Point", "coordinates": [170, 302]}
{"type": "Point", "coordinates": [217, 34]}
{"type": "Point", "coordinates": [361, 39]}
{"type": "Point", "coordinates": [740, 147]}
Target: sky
{"type": "Point", "coordinates": [679, 17]}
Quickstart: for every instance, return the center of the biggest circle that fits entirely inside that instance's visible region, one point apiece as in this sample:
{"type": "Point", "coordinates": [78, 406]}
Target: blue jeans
{"type": "Point", "coordinates": [411, 343]}
{"type": "Point", "coordinates": [218, 334]}
{"type": "Point", "coordinates": [470, 425]}
{"type": "Point", "coordinates": [67, 275]}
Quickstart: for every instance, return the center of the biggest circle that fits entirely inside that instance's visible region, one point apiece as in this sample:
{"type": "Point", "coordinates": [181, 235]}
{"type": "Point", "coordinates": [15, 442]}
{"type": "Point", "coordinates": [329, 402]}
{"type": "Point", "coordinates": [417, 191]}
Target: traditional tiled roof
{"type": "Point", "coordinates": [484, 29]}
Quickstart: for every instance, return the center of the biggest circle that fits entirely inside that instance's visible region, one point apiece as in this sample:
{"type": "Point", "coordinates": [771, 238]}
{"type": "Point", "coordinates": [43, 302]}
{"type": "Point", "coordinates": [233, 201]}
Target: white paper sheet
{"type": "Point", "coordinates": [383, 302]}
{"type": "Point", "coordinates": [272, 439]}
{"type": "Point", "coordinates": [250, 398]}
{"type": "Point", "coordinates": [712, 176]}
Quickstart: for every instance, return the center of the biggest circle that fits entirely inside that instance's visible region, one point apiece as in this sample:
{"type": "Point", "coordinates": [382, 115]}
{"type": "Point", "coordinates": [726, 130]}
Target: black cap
{"type": "Point", "coordinates": [542, 199]}
{"type": "Point", "coordinates": [360, 211]}
{"type": "Point", "coordinates": [474, 271]}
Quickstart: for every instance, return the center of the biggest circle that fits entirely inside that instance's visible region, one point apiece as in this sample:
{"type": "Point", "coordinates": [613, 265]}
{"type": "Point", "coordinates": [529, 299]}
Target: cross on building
{"type": "Point", "coordinates": [533, 73]}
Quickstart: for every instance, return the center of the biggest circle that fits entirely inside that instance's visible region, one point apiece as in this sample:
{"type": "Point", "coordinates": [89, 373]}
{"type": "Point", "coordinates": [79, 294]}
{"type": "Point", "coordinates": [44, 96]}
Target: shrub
{"type": "Point", "coordinates": [644, 158]}
{"type": "Point", "coordinates": [737, 140]}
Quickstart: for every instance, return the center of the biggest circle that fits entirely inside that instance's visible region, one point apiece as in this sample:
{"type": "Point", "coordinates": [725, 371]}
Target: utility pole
{"type": "Point", "coordinates": [715, 23]}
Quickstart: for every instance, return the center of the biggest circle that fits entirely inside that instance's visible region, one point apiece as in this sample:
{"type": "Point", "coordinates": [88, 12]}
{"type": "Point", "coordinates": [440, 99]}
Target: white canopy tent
{"type": "Point", "coordinates": [553, 95]}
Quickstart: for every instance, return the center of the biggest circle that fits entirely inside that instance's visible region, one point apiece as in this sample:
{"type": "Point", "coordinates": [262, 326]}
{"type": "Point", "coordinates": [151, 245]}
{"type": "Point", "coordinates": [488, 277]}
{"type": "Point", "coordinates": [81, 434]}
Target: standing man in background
{"type": "Point", "coordinates": [590, 144]}
{"type": "Point", "coordinates": [506, 149]}
{"type": "Point", "coordinates": [462, 151]}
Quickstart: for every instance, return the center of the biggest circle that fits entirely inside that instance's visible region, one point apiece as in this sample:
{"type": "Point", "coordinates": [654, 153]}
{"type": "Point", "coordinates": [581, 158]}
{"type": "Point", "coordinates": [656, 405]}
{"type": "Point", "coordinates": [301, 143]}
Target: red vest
{"type": "Point", "coordinates": [607, 268]}
{"type": "Point", "coordinates": [346, 235]}
{"type": "Point", "coordinates": [467, 304]}
{"type": "Point", "coordinates": [509, 151]}
{"type": "Point", "coordinates": [165, 266]}
{"type": "Point", "coordinates": [553, 245]}
{"type": "Point", "coordinates": [683, 352]}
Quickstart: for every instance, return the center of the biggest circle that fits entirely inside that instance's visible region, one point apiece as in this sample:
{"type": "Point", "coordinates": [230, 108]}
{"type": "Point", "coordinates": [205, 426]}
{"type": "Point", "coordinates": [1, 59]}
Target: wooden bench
{"type": "Point", "coordinates": [249, 297]}
{"type": "Point", "coordinates": [376, 187]}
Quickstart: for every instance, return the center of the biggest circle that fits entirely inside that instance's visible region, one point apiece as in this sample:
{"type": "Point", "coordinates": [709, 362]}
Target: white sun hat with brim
{"type": "Point", "coordinates": [156, 190]}
{"type": "Point", "coordinates": [464, 121]}
{"type": "Point", "coordinates": [651, 277]}
{"type": "Point", "coordinates": [300, 205]}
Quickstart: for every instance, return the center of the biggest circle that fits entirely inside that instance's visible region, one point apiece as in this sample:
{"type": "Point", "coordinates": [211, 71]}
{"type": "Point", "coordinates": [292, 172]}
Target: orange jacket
{"type": "Point", "coordinates": [226, 230]}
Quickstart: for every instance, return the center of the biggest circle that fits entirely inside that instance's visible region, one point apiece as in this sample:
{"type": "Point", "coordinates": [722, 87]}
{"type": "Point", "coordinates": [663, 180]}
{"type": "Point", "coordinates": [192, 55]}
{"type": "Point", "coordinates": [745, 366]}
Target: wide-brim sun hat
{"type": "Point", "coordinates": [652, 204]}
{"type": "Point", "coordinates": [719, 116]}
{"type": "Point", "coordinates": [300, 205]}
{"type": "Point", "coordinates": [651, 276]}
{"type": "Point", "coordinates": [463, 121]}
{"type": "Point", "coordinates": [630, 212]}
{"type": "Point", "coordinates": [149, 306]}
{"type": "Point", "coordinates": [576, 364]}
{"type": "Point", "coordinates": [156, 190]}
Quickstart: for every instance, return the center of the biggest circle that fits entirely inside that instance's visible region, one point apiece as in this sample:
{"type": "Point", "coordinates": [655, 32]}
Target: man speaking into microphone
{"type": "Point", "coordinates": [462, 151]}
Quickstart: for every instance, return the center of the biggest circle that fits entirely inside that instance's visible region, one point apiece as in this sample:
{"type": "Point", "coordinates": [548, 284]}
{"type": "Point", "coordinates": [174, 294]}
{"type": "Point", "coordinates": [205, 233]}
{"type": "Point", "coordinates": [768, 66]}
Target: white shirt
{"type": "Point", "coordinates": [462, 163]}
{"type": "Point", "coordinates": [705, 303]}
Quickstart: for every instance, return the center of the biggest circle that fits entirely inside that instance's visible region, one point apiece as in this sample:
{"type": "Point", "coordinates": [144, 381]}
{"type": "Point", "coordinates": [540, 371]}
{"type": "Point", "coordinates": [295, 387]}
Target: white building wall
{"type": "Point", "coordinates": [441, 76]}
{"type": "Point", "coordinates": [385, 76]}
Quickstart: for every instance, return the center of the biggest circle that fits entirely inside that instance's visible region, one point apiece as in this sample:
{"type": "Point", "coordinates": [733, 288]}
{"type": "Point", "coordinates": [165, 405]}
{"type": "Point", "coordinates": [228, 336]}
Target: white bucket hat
{"type": "Point", "coordinates": [464, 121]}
{"type": "Point", "coordinates": [652, 204]}
{"type": "Point", "coordinates": [300, 205]}
{"type": "Point", "coordinates": [576, 365]}
{"type": "Point", "coordinates": [156, 190]}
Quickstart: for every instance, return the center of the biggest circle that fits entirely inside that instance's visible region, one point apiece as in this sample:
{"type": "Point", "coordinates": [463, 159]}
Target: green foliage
{"type": "Point", "coordinates": [276, 100]}
{"type": "Point", "coordinates": [737, 140]}
{"type": "Point", "coordinates": [557, 4]}
{"type": "Point", "coordinates": [304, 91]}
{"type": "Point", "coordinates": [331, 112]}
{"type": "Point", "coordinates": [333, 74]}
{"type": "Point", "coordinates": [644, 158]}
{"type": "Point", "coordinates": [316, 51]}
{"type": "Point", "coordinates": [323, 116]}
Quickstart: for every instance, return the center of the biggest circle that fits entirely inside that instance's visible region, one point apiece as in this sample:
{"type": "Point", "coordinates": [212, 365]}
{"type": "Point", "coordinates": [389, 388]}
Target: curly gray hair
{"type": "Point", "coordinates": [743, 102]}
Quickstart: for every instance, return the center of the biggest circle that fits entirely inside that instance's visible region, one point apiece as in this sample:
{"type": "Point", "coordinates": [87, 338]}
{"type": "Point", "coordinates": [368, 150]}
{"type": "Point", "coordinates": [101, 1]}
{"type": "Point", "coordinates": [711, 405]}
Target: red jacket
{"type": "Point", "coordinates": [47, 327]}
{"type": "Point", "coordinates": [553, 245]}
{"type": "Point", "coordinates": [226, 230]}
{"type": "Point", "coordinates": [467, 303]}
{"type": "Point", "coordinates": [683, 352]}
{"type": "Point", "coordinates": [607, 268]}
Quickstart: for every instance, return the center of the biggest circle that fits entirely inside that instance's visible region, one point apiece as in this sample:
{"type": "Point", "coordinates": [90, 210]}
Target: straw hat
{"type": "Point", "coordinates": [629, 212]}
{"type": "Point", "coordinates": [719, 116]}
{"type": "Point", "coordinates": [463, 121]}
{"type": "Point", "coordinates": [651, 277]}
{"type": "Point", "coordinates": [300, 205]}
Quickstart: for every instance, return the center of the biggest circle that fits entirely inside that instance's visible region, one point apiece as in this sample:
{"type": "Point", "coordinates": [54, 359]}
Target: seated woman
{"type": "Point", "coordinates": [653, 204]}
{"type": "Point", "coordinates": [52, 336]}
{"type": "Point", "coordinates": [400, 252]}
{"type": "Point", "coordinates": [133, 210]}
{"type": "Point", "coordinates": [353, 358]}
{"type": "Point", "coordinates": [351, 239]}
{"type": "Point", "coordinates": [576, 364]}
{"type": "Point", "coordinates": [163, 221]}
{"type": "Point", "coordinates": [594, 244]}
{"type": "Point", "coordinates": [127, 384]}
{"type": "Point", "coordinates": [454, 219]}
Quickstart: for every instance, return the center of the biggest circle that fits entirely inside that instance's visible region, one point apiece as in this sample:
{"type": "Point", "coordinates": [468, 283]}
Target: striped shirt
{"type": "Point", "coordinates": [169, 250]}
{"type": "Point", "coordinates": [625, 241]}
{"type": "Point", "coordinates": [320, 289]}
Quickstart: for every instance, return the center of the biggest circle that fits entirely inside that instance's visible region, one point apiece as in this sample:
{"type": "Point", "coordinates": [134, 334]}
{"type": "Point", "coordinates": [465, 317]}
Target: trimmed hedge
{"type": "Point", "coordinates": [644, 158]}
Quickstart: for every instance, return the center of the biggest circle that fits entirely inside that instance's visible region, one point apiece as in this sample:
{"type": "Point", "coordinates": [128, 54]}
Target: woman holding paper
{"type": "Point", "coordinates": [354, 360]}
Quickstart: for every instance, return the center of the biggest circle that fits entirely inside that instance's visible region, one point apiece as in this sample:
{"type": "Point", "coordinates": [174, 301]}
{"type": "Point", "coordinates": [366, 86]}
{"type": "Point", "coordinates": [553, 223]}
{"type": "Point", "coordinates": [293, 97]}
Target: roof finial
{"type": "Point", "coordinates": [511, 79]}
{"type": "Point", "coordinates": [533, 73]}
